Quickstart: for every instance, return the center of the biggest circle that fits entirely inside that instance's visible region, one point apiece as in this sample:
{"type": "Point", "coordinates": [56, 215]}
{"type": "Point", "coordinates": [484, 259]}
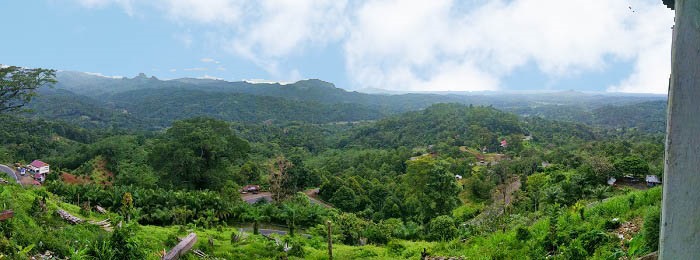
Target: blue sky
{"type": "Point", "coordinates": [586, 45]}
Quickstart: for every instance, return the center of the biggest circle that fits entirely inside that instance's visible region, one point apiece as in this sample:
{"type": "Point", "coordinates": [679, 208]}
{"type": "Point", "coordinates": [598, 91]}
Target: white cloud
{"type": "Point", "coordinates": [266, 81]}
{"type": "Point", "coordinates": [216, 12]}
{"type": "Point", "coordinates": [195, 69]}
{"type": "Point", "coordinates": [210, 77]}
{"type": "Point", "coordinates": [127, 5]}
{"type": "Point", "coordinates": [652, 52]}
{"type": "Point", "coordinates": [209, 60]}
{"type": "Point", "coordinates": [276, 30]}
{"type": "Point", "coordinates": [437, 44]}
{"type": "Point", "coordinates": [102, 75]}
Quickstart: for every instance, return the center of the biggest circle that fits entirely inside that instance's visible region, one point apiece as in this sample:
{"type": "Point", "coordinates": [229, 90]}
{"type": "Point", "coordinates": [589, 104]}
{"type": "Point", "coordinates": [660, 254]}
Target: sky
{"type": "Point", "coordinates": [436, 45]}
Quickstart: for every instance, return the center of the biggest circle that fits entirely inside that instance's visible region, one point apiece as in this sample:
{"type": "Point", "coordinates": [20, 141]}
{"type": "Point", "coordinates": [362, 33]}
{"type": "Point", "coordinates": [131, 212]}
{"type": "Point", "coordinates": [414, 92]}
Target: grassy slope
{"type": "Point", "coordinates": [499, 244]}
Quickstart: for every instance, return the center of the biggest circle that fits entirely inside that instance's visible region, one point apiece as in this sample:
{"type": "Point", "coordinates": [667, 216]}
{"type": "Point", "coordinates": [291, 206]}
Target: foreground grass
{"type": "Point", "coordinates": [576, 235]}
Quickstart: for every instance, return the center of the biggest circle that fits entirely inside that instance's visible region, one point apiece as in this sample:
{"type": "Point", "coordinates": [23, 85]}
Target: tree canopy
{"type": "Point", "coordinates": [18, 85]}
{"type": "Point", "coordinates": [198, 153]}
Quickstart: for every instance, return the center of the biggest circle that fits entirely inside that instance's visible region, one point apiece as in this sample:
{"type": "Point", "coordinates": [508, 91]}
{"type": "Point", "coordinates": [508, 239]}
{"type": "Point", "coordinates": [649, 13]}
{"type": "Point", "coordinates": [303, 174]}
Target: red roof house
{"type": "Point", "coordinates": [38, 167]}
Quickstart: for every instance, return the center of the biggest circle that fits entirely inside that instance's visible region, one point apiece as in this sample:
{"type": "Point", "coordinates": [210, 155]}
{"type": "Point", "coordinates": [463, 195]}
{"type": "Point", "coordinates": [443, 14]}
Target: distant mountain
{"type": "Point", "coordinates": [83, 111]}
{"type": "Point", "coordinates": [109, 95]}
{"type": "Point", "coordinates": [647, 117]}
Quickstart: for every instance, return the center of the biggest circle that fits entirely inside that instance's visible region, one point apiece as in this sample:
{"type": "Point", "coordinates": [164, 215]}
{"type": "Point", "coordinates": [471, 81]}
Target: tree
{"type": "Point", "coordinates": [124, 243]}
{"type": "Point", "coordinates": [256, 215]}
{"type": "Point", "coordinates": [345, 199]}
{"type": "Point", "coordinates": [127, 208]}
{"type": "Point", "coordinates": [442, 228]}
{"type": "Point", "coordinates": [294, 212]}
{"type": "Point", "coordinates": [250, 172]}
{"type": "Point", "coordinates": [279, 181]}
{"type": "Point", "coordinates": [197, 153]}
{"type": "Point", "coordinates": [632, 165]}
{"type": "Point", "coordinates": [598, 169]}
{"type": "Point", "coordinates": [18, 85]}
{"type": "Point", "coordinates": [428, 181]}
{"type": "Point", "coordinates": [534, 187]}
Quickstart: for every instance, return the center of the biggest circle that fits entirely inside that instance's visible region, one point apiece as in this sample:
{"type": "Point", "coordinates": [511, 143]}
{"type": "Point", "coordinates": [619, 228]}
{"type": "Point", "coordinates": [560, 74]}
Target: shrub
{"type": "Point", "coordinates": [395, 248]}
{"type": "Point", "coordinates": [442, 228]}
{"type": "Point", "coordinates": [650, 229]}
{"type": "Point", "coordinates": [522, 234]}
{"type": "Point", "coordinates": [611, 224]}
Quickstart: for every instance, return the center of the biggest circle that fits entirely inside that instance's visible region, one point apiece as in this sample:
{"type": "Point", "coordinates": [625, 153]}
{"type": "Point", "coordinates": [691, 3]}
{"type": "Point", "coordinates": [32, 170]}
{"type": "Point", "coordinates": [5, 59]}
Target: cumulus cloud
{"type": "Point", "coordinates": [443, 45]}
{"type": "Point", "coordinates": [210, 77]}
{"type": "Point", "coordinates": [266, 81]}
{"type": "Point", "coordinates": [209, 60]}
{"type": "Point", "coordinates": [127, 5]}
{"type": "Point", "coordinates": [439, 44]}
{"type": "Point", "coordinates": [102, 75]}
{"type": "Point", "coordinates": [195, 69]}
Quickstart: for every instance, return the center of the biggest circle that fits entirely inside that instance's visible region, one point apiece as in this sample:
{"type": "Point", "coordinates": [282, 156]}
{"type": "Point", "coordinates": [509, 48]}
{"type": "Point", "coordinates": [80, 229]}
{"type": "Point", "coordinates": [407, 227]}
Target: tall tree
{"type": "Point", "coordinates": [279, 181]}
{"type": "Point", "coordinates": [18, 85]}
{"type": "Point", "coordinates": [197, 153]}
{"type": "Point", "coordinates": [428, 181]}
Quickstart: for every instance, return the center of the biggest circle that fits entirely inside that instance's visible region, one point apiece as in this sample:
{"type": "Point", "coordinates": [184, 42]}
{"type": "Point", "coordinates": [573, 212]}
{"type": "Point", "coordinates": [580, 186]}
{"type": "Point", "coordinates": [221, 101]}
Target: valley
{"type": "Point", "coordinates": [487, 175]}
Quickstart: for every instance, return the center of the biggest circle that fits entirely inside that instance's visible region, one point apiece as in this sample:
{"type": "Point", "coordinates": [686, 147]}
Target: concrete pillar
{"type": "Point", "coordinates": [680, 220]}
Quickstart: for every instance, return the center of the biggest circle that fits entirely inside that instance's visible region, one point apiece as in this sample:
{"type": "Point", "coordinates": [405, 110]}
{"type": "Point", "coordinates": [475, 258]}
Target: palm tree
{"type": "Point", "coordinates": [600, 192]}
{"type": "Point", "coordinates": [293, 213]}
{"type": "Point", "coordinates": [256, 215]}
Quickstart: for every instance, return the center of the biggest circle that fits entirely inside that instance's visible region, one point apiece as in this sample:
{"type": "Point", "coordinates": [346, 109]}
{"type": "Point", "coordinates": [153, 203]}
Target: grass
{"type": "Point", "coordinates": [571, 230]}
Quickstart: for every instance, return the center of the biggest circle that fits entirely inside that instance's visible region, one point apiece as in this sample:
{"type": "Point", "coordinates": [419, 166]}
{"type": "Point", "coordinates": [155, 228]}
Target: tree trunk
{"type": "Point", "coordinates": [330, 241]}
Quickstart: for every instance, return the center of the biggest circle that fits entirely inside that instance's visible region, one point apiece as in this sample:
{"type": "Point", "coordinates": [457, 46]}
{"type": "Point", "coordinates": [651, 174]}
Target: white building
{"type": "Point", "coordinates": [38, 167]}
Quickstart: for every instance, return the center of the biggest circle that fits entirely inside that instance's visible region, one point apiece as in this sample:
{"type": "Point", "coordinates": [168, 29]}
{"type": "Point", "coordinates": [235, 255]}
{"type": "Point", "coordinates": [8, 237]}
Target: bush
{"type": "Point", "coordinates": [395, 248]}
{"type": "Point", "coordinates": [522, 234]}
{"type": "Point", "coordinates": [442, 228]}
{"type": "Point", "coordinates": [611, 224]}
{"type": "Point", "coordinates": [651, 228]}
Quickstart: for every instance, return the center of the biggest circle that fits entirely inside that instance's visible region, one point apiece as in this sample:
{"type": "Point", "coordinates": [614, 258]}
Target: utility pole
{"type": "Point", "coordinates": [330, 241]}
{"type": "Point", "coordinates": [680, 218]}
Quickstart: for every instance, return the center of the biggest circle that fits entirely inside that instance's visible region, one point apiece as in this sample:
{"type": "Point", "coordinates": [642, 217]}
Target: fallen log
{"type": "Point", "coordinates": [6, 214]}
{"type": "Point", "coordinates": [181, 248]}
{"type": "Point", "coordinates": [101, 210]}
{"type": "Point", "coordinates": [68, 217]}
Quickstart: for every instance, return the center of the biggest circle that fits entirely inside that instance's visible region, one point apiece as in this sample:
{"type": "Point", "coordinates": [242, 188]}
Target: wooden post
{"type": "Point", "coordinates": [330, 241]}
{"type": "Point", "coordinates": [181, 248]}
{"type": "Point", "coordinates": [680, 232]}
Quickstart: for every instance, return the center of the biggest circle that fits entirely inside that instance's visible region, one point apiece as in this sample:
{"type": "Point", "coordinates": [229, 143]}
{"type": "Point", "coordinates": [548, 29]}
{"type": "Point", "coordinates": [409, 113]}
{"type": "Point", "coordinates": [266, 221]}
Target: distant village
{"type": "Point", "coordinates": [36, 170]}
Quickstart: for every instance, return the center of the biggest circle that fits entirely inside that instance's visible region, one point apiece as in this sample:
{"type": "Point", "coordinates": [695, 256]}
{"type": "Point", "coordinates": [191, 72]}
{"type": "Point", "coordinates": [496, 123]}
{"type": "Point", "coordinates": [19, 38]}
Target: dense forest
{"type": "Point", "coordinates": [498, 177]}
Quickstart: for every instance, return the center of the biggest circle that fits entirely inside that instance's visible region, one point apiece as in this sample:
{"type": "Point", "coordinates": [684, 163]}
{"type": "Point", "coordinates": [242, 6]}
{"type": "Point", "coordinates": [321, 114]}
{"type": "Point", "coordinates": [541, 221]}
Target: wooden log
{"type": "Point", "coordinates": [181, 248]}
{"type": "Point", "coordinates": [101, 210]}
{"type": "Point", "coordinates": [68, 217]}
{"type": "Point", "coordinates": [6, 214]}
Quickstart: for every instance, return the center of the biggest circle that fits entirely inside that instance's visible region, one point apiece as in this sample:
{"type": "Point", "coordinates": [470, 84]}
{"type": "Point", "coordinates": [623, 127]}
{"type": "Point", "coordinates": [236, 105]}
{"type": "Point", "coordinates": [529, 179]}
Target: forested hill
{"type": "Point", "coordinates": [312, 90]}
{"type": "Point", "coordinates": [162, 106]}
{"type": "Point", "coordinates": [451, 123]}
{"type": "Point", "coordinates": [66, 106]}
{"type": "Point", "coordinates": [148, 103]}
{"type": "Point", "coordinates": [324, 92]}
{"type": "Point", "coordinates": [646, 116]}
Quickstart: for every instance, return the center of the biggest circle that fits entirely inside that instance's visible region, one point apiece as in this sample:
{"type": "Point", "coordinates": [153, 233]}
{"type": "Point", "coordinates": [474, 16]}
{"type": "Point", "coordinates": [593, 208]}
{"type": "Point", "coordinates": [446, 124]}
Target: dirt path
{"type": "Point", "coordinates": [509, 189]}
{"type": "Point", "coordinates": [311, 193]}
